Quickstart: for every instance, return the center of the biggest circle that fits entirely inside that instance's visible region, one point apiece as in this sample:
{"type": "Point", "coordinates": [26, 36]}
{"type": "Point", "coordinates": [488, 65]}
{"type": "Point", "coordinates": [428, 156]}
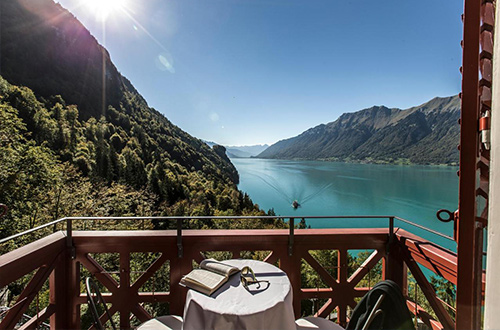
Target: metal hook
{"type": "Point", "coordinates": [450, 214]}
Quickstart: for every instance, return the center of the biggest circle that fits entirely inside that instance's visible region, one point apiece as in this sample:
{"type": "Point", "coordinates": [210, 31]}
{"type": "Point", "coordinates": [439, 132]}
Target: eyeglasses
{"type": "Point", "coordinates": [248, 277]}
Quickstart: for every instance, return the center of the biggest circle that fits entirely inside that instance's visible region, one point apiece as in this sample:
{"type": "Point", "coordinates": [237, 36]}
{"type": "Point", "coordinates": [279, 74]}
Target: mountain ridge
{"type": "Point", "coordinates": [51, 84]}
{"type": "Point", "coordinates": [424, 134]}
{"type": "Point", "coordinates": [241, 151]}
{"type": "Point", "coordinates": [71, 64]}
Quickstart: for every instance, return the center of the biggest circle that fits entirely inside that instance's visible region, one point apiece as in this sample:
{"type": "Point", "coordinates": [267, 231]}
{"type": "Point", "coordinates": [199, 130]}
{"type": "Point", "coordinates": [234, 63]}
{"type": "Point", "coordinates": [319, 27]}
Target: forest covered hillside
{"type": "Point", "coordinates": [65, 152]}
{"type": "Point", "coordinates": [425, 134]}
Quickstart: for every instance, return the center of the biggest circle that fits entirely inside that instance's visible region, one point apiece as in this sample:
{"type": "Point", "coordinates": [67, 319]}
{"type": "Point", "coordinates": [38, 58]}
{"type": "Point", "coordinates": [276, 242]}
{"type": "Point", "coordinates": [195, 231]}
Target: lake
{"type": "Point", "coordinates": [414, 193]}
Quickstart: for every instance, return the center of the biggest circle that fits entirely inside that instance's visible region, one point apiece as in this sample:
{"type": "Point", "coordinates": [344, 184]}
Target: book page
{"type": "Point", "coordinates": [203, 280]}
{"type": "Point", "coordinates": [218, 267]}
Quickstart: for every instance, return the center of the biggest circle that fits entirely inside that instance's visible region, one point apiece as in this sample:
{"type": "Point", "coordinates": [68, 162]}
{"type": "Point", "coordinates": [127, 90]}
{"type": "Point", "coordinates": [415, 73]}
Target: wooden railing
{"type": "Point", "coordinates": [64, 266]}
{"type": "Point", "coordinates": [413, 251]}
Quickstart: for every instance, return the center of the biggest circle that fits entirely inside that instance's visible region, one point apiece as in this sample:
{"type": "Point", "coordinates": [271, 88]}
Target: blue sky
{"type": "Point", "coordinates": [242, 72]}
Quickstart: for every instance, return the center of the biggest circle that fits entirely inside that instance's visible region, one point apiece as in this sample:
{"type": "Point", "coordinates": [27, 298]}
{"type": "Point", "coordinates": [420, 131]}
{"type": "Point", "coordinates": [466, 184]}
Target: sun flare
{"type": "Point", "coordinates": [103, 8]}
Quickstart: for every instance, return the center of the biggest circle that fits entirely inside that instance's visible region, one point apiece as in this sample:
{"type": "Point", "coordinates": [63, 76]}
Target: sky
{"type": "Point", "coordinates": [245, 72]}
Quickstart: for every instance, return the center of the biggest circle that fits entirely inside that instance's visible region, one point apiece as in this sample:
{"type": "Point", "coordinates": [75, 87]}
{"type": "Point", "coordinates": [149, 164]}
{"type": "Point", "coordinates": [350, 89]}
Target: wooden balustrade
{"type": "Point", "coordinates": [52, 258]}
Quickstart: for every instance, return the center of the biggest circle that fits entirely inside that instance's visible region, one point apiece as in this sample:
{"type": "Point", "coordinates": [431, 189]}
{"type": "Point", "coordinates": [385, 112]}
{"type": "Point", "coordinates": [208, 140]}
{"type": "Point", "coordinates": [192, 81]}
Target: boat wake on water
{"type": "Point", "coordinates": [297, 198]}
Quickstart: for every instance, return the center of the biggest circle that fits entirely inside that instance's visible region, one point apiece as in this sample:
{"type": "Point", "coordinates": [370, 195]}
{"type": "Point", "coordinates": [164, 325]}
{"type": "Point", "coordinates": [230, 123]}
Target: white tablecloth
{"type": "Point", "coordinates": [233, 307]}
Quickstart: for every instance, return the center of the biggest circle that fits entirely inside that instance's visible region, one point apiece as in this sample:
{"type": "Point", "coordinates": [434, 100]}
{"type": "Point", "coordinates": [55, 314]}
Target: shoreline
{"type": "Point", "coordinates": [401, 161]}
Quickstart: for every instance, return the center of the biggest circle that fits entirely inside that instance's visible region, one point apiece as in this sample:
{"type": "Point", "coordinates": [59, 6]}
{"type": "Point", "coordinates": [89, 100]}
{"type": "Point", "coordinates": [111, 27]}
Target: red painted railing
{"type": "Point", "coordinates": [52, 258]}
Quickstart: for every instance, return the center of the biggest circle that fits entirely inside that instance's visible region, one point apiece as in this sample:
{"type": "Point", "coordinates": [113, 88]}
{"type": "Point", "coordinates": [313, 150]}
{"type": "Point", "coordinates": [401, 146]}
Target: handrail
{"type": "Point", "coordinates": [176, 218]}
{"type": "Point", "coordinates": [69, 221]}
{"type": "Point", "coordinates": [29, 231]}
{"type": "Point", "coordinates": [424, 228]}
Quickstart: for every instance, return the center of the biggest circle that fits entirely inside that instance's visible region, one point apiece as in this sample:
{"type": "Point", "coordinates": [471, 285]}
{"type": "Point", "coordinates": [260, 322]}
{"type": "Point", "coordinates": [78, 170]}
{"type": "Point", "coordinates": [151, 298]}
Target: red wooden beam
{"type": "Point", "coordinates": [26, 259]}
{"type": "Point", "coordinates": [441, 261]}
{"type": "Point", "coordinates": [326, 293]}
{"type": "Point", "coordinates": [156, 265]}
{"type": "Point", "coordinates": [321, 271]}
{"type": "Point", "coordinates": [423, 315]}
{"type": "Point", "coordinates": [215, 240]}
{"type": "Point", "coordinates": [327, 308]}
{"type": "Point", "coordinates": [39, 318]}
{"type": "Point", "coordinates": [140, 313]}
{"type": "Point", "coordinates": [26, 297]}
{"type": "Point", "coordinates": [63, 292]}
{"type": "Point", "coordinates": [98, 271]}
{"type": "Point", "coordinates": [271, 258]}
{"type": "Point", "coordinates": [149, 297]}
{"type": "Point", "coordinates": [126, 297]}
{"type": "Point", "coordinates": [342, 300]}
{"type": "Point", "coordinates": [466, 286]}
{"type": "Point", "coordinates": [429, 292]}
{"type": "Point", "coordinates": [367, 265]}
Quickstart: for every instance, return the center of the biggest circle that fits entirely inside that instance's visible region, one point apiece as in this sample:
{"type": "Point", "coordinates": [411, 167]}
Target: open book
{"type": "Point", "coordinates": [211, 275]}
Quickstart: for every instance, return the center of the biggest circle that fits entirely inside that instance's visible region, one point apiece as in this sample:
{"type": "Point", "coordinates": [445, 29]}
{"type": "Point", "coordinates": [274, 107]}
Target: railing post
{"type": "Point", "coordinates": [394, 267]}
{"type": "Point", "coordinates": [390, 239]}
{"type": "Point", "coordinates": [69, 238]}
{"type": "Point", "coordinates": [125, 311]}
{"type": "Point", "coordinates": [342, 273]}
{"type": "Point", "coordinates": [391, 230]}
{"type": "Point", "coordinates": [180, 251]}
{"type": "Point", "coordinates": [64, 283]}
{"type": "Point", "coordinates": [291, 265]}
{"type": "Point", "coordinates": [182, 267]}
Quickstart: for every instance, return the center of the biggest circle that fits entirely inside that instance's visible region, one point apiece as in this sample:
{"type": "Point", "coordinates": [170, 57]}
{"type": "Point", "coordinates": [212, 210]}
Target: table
{"type": "Point", "coordinates": [233, 307]}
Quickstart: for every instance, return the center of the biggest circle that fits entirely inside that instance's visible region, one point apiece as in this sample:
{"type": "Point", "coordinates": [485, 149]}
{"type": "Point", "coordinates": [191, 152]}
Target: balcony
{"type": "Point", "coordinates": [59, 262]}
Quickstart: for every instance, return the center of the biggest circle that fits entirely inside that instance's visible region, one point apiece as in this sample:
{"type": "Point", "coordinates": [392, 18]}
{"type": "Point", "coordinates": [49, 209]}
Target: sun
{"type": "Point", "coordinates": [103, 8]}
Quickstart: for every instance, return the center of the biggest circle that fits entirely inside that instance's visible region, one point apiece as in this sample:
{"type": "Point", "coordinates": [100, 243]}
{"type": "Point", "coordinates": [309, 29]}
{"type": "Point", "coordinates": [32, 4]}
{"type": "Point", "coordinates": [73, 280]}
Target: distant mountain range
{"type": "Point", "coordinates": [242, 151]}
{"type": "Point", "coordinates": [425, 134]}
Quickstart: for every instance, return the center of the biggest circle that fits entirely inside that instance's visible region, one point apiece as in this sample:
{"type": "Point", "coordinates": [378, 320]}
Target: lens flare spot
{"type": "Point", "coordinates": [165, 62]}
{"type": "Point", "coordinates": [214, 117]}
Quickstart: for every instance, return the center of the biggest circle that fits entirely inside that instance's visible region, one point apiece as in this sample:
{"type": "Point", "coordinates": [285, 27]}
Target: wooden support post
{"type": "Point", "coordinates": [64, 289]}
{"type": "Point", "coordinates": [395, 268]}
{"type": "Point", "coordinates": [342, 279]}
{"type": "Point", "coordinates": [177, 292]}
{"type": "Point", "coordinates": [290, 264]}
{"type": "Point", "coordinates": [124, 286]}
{"type": "Point", "coordinates": [466, 283]}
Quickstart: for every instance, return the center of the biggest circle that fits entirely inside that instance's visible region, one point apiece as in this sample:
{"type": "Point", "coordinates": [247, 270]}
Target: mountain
{"type": "Point", "coordinates": [242, 151]}
{"type": "Point", "coordinates": [45, 48]}
{"type": "Point", "coordinates": [82, 124]}
{"type": "Point", "coordinates": [235, 153]}
{"type": "Point", "coordinates": [425, 134]}
{"type": "Point", "coordinates": [246, 151]}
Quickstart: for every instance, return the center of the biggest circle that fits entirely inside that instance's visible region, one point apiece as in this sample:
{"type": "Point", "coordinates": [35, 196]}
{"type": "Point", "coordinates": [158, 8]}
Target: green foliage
{"type": "Point", "coordinates": [53, 164]}
{"type": "Point", "coordinates": [47, 150]}
{"type": "Point", "coordinates": [27, 172]}
{"type": "Point", "coordinates": [72, 144]}
{"type": "Point", "coordinates": [110, 116]}
{"type": "Point", "coordinates": [445, 290]}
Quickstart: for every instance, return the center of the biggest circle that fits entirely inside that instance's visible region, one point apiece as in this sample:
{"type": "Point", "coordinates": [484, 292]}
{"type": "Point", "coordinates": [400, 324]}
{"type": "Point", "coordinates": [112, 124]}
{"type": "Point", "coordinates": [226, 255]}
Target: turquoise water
{"type": "Point", "coordinates": [414, 193]}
